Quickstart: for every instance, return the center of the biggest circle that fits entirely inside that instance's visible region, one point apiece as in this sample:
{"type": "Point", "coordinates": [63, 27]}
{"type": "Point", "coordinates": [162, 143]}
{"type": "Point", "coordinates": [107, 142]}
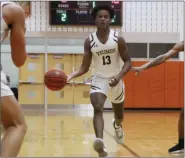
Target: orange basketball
{"type": "Point", "coordinates": [55, 80]}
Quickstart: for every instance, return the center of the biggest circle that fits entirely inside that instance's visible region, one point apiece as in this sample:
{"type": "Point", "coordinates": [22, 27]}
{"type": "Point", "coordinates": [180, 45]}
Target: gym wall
{"type": "Point", "coordinates": [151, 31]}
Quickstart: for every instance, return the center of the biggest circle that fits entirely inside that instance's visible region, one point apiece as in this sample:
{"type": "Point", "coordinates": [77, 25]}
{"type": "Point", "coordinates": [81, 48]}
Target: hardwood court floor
{"type": "Point", "coordinates": [71, 134]}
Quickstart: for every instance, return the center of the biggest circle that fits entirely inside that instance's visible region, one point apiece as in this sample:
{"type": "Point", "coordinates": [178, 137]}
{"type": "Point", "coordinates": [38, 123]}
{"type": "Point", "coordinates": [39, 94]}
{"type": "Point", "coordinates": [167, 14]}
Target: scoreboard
{"type": "Point", "coordinates": [79, 12]}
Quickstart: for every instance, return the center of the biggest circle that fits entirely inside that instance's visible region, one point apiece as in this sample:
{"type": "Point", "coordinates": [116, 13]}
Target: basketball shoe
{"type": "Point", "coordinates": [178, 148]}
{"type": "Point", "coordinates": [100, 148]}
{"type": "Point", "coordinates": [119, 134]}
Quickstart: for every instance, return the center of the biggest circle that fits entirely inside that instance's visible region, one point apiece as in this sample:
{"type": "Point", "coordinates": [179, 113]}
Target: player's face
{"type": "Point", "coordinates": [103, 19]}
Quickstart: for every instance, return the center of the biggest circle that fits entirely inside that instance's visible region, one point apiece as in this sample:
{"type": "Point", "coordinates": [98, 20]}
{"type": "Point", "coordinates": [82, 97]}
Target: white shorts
{"type": "Point", "coordinates": [115, 94]}
{"type": "Point", "coordinates": [5, 89]}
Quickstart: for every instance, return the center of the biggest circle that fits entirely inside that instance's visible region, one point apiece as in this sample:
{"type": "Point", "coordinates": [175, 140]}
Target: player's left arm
{"type": "Point", "coordinates": [123, 50]}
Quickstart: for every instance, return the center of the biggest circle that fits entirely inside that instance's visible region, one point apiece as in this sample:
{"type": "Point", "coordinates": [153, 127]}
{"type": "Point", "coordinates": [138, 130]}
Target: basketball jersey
{"type": "Point", "coordinates": [105, 57]}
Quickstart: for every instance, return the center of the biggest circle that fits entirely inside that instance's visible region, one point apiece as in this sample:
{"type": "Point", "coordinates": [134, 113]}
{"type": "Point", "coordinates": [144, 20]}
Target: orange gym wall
{"type": "Point", "coordinates": [158, 87]}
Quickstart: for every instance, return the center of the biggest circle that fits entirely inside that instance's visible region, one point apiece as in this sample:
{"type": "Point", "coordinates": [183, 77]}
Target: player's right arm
{"type": "Point", "coordinates": [17, 35]}
{"type": "Point", "coordinates": [86, 62]}
{"type": "Point", "coordinates": [161, 59]}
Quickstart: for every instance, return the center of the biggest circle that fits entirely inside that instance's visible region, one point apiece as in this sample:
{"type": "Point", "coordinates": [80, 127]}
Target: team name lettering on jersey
{"type": "Point", "coordinates": [106, 51]}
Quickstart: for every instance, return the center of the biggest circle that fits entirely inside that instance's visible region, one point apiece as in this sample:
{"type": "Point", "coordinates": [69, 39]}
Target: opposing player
{"type": "Point", "coordinates": [105, 48]}
{"type": "Point", "coordinates": [13, 23]}
{"type": "Point", "coordinates": [179, 147]}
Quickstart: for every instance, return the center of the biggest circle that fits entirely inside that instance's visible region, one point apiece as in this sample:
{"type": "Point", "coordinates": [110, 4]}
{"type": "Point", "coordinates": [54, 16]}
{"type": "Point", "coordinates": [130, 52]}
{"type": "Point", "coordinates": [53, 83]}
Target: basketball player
{"type": "Point", "coordinates": [179, 147]}
{"type": "Point", "coordinates": [105, 48]}
{"type": "Point", "coordinates": [12, 119]}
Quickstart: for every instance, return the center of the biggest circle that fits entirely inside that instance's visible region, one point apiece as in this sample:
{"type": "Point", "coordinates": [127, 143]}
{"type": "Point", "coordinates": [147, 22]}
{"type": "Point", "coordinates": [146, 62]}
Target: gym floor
{"type": "Point", "coordinates": [70, 133]}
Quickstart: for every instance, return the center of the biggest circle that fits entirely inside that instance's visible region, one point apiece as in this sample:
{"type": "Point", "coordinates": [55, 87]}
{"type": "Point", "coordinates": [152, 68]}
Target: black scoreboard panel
{"type": "Point", "coordinates": [79, 12]}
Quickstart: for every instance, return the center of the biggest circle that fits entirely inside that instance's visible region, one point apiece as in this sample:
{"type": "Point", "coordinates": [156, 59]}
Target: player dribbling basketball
{"type": "Point", "coordinates": [105, 48]}
{"type": "Point", "coordinates": [12, 119]}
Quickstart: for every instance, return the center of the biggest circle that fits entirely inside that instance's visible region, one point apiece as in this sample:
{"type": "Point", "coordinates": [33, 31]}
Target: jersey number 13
{"type": "Point", "coordinates": [106, 60]}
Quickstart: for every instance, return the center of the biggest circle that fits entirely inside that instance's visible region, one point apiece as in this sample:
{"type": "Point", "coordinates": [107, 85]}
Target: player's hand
{"type": "Point", "coordinates": [114, 81]}
{"type": "Point", "coordinates": [69, 77]}
{"type": "Point", "coordinates": [138, 70]}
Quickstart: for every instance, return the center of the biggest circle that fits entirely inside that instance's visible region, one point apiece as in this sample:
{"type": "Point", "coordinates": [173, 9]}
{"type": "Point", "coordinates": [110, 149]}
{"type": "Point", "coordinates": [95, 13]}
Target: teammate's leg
{"type": "Point", "coordinates": [181, 128]}
{"type": "Point", "coordinates": [179, 147]}
{"type": "Point", "coordinates": [15, 127]}
{"type": "Point", "coordinates": [118, 107]}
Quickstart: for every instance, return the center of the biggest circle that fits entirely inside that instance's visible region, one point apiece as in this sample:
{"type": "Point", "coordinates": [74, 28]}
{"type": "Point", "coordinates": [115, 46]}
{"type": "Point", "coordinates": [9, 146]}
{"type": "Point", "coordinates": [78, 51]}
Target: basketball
{"type": "Point", "coordinates": [55, 80]}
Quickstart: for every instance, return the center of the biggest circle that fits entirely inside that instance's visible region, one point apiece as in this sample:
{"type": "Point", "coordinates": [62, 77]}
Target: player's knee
{"type": "Point", "coordinates": [98, 109]}
{"type": "Point", "coordinates": [22, 127]}
{"type": "Point", "coordinates": [21, 124]}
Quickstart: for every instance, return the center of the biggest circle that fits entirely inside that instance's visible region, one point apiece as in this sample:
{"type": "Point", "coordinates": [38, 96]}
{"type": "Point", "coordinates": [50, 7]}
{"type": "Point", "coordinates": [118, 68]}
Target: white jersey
{"type": "Point", "coordinates": [105, 57]}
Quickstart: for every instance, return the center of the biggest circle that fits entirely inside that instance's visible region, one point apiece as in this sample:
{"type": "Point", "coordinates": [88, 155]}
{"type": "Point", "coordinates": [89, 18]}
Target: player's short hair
{"type": "Point", "coordinates": [102, 7]}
